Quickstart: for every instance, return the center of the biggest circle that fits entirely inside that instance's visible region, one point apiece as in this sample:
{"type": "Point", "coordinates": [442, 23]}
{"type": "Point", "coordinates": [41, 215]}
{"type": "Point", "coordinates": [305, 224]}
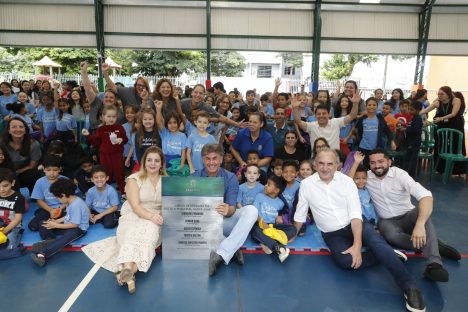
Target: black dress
{"type": "Point", "coordinates": [458, 123]}
{"type": "Point", "coordinates": [298, 155]}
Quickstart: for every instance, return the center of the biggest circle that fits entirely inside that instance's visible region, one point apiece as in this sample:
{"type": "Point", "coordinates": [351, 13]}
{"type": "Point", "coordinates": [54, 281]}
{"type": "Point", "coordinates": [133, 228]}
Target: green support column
{"type": "Point", "coordinates": [208, 44]}
{"type": "Point", "coordinates": [99, 24]}
{"type": "Point", "coordinates": [316, 48]}
{"type": "Point", "coordinates": [424, 24]}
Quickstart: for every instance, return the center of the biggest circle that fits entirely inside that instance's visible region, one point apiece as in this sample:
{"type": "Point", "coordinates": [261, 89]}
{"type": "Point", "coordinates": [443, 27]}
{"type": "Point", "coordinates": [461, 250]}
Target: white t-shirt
{"type": "Point", "coordinates": [331, 132]}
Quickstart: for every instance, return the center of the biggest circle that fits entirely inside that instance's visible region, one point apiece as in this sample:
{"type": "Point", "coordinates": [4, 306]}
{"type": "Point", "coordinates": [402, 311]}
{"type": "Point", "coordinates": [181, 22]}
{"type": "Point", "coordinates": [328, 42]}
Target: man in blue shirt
{"type": "Point", "coordinates": [237, 223]}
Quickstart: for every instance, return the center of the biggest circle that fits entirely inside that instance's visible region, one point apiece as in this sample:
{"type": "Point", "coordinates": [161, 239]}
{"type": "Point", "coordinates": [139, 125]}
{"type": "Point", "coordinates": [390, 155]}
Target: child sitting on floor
{"type": "Point", "coordinates": [12, 208]}
{"type": "Point", "coordinates": [102, 199]}
{"type": "Point", "coordinates": [359, 174]}
{"type": "Point", "coordinates": [249, 189]}
{"type": "Point", "coordinates": [71, 227]}
{"type": "Point", "coordinates": [268, 231]}
{"type": "Point", "coordinates": [49, 206]}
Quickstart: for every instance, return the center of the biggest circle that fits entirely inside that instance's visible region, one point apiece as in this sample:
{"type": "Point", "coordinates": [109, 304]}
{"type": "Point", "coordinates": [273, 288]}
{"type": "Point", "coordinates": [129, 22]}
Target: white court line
{"type": "Point", "coordinates": [79, 289]}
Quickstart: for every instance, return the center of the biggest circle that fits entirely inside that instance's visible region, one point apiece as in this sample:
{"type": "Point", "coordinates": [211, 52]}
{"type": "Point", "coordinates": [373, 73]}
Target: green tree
{"type": "Point", "coordinates": [18, 62]}
{"type": "Point", "coordinates": [342, 65]}
{"type": "Point", "coordinates": [169, 63]}
{"type": "Point", "coordinates": [227, 63]}
{"type": "Point", "coordinates": [69, 58]}
{"type": "Point", "coordinates": [294, 59]}
{"type": "Point", "coordinates": [125, 58]}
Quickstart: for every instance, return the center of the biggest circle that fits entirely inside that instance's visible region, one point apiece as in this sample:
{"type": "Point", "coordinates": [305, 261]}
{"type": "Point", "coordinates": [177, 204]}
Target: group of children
{"type": "Point", "coordinates": [121, 146]}
{"type": "Point", "coordinates": [64, 213]}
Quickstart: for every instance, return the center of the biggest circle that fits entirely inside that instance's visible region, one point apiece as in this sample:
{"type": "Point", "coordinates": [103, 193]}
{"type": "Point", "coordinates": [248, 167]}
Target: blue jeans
{"type": "Point", "coordinates": [257, 235]}
{"type": "Point", "coordinates": [236, 228]}
{"type": "Point", "coordinates": [378, 251]}
{"type": "Point", "coordinates": [13, 249]}
{"type": "Point", "coordinates": [66, 237]}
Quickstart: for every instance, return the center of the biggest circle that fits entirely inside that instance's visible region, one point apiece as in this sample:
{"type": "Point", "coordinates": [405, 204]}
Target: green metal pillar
{"type": "Point", "coordinates": [99, 24]}
{"type": "Point", "coordinates": [316, 49]}
{"type": "Point", "coordinates": [208, 44]}
{"type": "Point", "coordinates": [424, 25]}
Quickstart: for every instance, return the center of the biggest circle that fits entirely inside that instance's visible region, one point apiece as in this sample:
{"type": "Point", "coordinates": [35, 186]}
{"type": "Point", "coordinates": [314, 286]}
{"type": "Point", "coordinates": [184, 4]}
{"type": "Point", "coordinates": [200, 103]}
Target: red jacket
{"type": "Point", "coordinates": [102, 139]}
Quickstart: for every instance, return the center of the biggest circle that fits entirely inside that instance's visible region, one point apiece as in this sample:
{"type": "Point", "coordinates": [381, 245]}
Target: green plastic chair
{"type": "Point", "coordinates": [446, 147]}
{"type": "Point", "coordinates": [397, 157]}
{"type": "Point", "coordinates": [426, 154]}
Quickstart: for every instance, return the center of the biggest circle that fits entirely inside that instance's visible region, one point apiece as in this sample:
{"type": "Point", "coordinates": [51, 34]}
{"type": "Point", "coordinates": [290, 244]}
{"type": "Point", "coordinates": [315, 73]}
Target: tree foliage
{"type": "Point", "coordinates": [342, 65]}
{"type": "Point", "coordinates": [146, 62]}
{"type": "Point", "coordinates": [227, 63]}
{"type": "Point", "coordinates": [69, 58]}
{"type": "Point", "coordinates": [294, 59]}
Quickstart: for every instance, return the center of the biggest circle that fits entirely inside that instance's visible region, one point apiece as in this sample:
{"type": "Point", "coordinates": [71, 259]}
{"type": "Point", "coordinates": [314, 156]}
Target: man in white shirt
{"type": "Point", "coordinates": [400, 222]}
{"type": "Point", "coordinates": [334, 201]}
{"type": "Point", "coordinates": [325, 127]}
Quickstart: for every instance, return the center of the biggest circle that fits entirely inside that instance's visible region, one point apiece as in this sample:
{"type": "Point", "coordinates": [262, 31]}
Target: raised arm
{"type": "Point", "coordinates": [56, 94]}
{"type": "Point", "coordinates": [159, 115]}
{"type": "Point", "coordinates": [87, 85]}
{"type": "Point", "coordinates": [356, 99]}
{"type": "Point", "coordinates": [274, 96]}
{"type": "Point", "coordinates": [358, 158]}
{"type": "Point", "coordinates": [109, 83]}
{"type": "Point", "coordinates": [296, 105]}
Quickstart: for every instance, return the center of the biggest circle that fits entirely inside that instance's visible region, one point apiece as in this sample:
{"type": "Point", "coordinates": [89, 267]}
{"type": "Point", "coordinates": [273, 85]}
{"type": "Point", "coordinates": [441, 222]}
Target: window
{"type": "Point", "coordinates": [264, 71]}
{"type": "Point", "coordinates": [289, 71]}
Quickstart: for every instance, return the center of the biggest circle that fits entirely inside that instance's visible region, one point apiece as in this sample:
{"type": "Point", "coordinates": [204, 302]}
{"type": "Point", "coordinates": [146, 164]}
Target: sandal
{"type": "Point", "coordinates": [118, 277]}
{"type": "Point", "coordinates": [127, 276]}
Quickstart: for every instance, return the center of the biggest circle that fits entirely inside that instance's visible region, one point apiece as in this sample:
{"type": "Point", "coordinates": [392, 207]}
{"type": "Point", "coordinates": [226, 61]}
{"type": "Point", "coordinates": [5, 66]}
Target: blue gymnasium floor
{"type": "Point", "coordinates": [307, 281]}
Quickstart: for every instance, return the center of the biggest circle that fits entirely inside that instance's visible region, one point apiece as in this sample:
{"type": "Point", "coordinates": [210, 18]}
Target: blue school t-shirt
{"type": "Point", "coordinates": [78, 213]}
{"type": "Point", "coordinates": [48, 120]}
{"type": "Point", "coordinates": [370, 128]}
{"type": "Point", "coordinates": [289, 194]}
{"type": "Point", "coordinates": [246, 195]}
{"type": "Point", "coordinates": [101, 201]}
{"type": "Point", "coordinates": [311, 118]}
{"type": "Point", "coordinates": [196, 142]}
{"type": "Point", "coordinates": [268, 207]}
{"type": "Point", "coordinates": [368, 209]}
{"type": "Point", "coordinates": [269, 110]}
{"type": "Point", "coordinates": [172, 143]}
{"type": "Point", "coordinates": [128, 131]}
{"type": "Point", "coordinates": [345, 130]}
{"type": "Point", "coordinates": [67, 123]}
{"type": "Point", "coordinates": [4, 100]}
{"type": "Point", "coordinates": [42, 191]}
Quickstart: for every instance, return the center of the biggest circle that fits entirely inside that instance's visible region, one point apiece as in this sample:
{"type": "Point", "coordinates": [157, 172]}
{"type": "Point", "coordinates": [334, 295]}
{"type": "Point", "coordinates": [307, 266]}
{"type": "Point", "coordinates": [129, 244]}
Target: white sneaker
{"type": "Point", "coordinates": [265, 249]}
{"type": "Point", "coordinates": [283, 253]}
{"type": "Point", "coordinates": [401, 255]}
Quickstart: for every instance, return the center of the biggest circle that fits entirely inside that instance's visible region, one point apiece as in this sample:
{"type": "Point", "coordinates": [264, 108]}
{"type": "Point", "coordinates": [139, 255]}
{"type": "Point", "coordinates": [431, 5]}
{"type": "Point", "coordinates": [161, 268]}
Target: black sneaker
{"type": "Point", "coordinates": [436, 273]}
{"type": "Point", "coordinates": [214, 262]}
{"type": "Point", "coordinates": [39, 246]}
{"type": "Point", "coordinates": [414, 300]}
{"type": "Point", "coordinates": [238, 257]}
{"type": "Point", "coordinates": [448, 251]}
{"type": "Point", "coordinates": [40, 261]}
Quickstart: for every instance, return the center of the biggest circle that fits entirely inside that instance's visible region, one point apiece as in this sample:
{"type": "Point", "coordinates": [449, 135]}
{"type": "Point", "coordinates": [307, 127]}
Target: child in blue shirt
{"type": "Point", "coordinates": [289, 172]}
{"type": "Point", "coordinates": [197, 140]}
{"type": "Point", "coordinates": [359, 174]}
{"type": "Point", "coordinates": [173, 141]}
{"type": "Point", "coordinates": [65, 123]}
{"type": "Point", "coordinates": [47, 116]}
{"type": "Point", "coordinates": [269, 207]}
{"type": "Point", "coordinates": [71, 227]}
{"type": "Point", "coordinates": [102, 199]}
{"type": "Point", "coordinates": [49, 206]}
{"type": "Point", "coordinates": [249, 190]}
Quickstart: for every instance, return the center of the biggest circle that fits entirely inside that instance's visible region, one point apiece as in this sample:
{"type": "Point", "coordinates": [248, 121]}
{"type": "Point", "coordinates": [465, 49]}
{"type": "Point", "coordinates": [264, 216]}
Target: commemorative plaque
{"type": "Point", "coordinates": [192, 227]}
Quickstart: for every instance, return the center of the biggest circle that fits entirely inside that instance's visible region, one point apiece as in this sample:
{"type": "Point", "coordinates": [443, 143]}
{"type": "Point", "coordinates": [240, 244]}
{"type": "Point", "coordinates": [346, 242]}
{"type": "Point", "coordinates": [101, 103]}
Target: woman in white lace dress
{"type": "Point", "coordinates": [139, 230]}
